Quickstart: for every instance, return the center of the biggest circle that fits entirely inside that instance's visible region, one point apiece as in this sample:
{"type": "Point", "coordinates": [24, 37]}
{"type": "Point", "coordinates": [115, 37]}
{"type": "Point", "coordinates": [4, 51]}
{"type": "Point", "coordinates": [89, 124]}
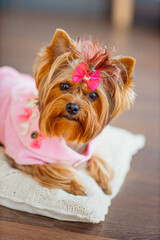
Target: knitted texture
{"type": "Point", "coordinates": [19, 191]}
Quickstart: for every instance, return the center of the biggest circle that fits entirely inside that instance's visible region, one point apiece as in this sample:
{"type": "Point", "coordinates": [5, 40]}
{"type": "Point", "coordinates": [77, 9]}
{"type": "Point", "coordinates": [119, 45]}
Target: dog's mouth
{"type": "Point", "coordinates": [69, 118]}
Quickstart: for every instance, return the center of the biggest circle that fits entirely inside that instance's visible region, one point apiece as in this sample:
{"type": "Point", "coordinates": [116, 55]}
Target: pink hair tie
{"type": "Point", "coordinates": [80, 74]}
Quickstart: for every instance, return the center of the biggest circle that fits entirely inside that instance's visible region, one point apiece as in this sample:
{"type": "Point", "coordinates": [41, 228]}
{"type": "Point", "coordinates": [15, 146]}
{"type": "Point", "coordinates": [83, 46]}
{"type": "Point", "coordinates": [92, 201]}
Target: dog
{"type": "Point", "coordinates": [49, 124]}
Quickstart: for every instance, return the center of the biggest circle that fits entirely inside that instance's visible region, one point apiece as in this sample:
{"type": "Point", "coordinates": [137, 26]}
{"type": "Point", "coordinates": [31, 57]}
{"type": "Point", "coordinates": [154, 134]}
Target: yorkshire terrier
{"type": "Point", "coordinates": [49, 133]}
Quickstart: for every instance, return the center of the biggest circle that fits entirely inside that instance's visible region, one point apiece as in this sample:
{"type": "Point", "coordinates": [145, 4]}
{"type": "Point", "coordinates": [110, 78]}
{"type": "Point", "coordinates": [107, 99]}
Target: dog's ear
{"type": "Point", "coordinates": [124, 94]}
{"type": "Point", "coordinates": [126, 65]}
{"type": "Point", "coordinates": [127, 94]}
{"type": "Point", "coordinates": [60, 44]}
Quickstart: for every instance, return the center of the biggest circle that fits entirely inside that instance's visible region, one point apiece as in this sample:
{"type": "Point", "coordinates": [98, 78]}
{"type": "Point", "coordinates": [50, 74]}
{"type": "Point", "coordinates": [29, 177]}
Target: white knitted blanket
{"type": "Point", "coordinates": [20, 192]}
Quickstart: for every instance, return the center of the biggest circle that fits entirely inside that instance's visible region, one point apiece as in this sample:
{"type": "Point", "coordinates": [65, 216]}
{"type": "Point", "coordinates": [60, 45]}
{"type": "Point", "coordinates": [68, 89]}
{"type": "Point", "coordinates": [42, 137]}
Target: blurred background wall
{"type": "Point", "coordinates": [82, 7]}
{"type": "Point", "coordinates": [145, 12]}
{"type": "Point", "coordinates": [35, 21]}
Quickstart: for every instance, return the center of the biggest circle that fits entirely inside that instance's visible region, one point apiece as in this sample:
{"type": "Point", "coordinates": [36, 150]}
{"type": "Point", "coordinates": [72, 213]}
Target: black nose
{"type": "Point", "coordinates": [72, 108]}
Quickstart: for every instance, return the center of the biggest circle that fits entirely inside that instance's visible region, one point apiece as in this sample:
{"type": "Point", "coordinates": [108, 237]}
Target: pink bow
{"type": "Point", "coordinates": [80, 74]}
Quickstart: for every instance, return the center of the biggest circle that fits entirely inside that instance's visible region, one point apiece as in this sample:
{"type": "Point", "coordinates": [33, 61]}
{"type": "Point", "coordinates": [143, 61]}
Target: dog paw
{"type": "Point", "coordinates": [106, 187]}
{"type": "Point", "coordinates": [76, 188]}
{"type": "Point", "coordinates": [101, 172]}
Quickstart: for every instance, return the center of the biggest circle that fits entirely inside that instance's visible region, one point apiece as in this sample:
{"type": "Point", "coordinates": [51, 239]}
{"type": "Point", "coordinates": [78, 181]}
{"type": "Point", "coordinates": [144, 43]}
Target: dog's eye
{"type": "Point", "coordinates": [64, 86]}
{"type": "Point", "coordinates": [93, 96]}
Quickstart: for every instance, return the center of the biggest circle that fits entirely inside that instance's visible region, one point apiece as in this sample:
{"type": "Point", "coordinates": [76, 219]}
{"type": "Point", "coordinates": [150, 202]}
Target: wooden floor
{"type": "Point", "coordinates": [135, 212]}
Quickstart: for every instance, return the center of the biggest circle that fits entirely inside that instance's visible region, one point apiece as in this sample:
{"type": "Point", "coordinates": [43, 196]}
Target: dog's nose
{"type": "Point", "coordinates": [72, 108]}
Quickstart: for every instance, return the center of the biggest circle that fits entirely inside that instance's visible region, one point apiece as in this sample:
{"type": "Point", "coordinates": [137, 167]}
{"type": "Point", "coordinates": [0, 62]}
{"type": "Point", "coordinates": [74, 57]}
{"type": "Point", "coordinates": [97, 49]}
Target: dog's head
{"type": "Point", "coordinates": [69, 106]}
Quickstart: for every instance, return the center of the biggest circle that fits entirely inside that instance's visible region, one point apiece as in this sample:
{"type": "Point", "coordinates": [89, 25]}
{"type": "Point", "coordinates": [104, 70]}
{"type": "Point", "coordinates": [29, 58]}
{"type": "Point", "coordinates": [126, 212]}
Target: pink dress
{"type": "Point", "coordinates": [19, 131]}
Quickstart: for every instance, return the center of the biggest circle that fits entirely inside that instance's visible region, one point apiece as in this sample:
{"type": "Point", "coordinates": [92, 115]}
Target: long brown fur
{"type": "Point", "coordinates": [54, 65]}
{"type": "Point", "coordinates": [101, 172]}
{"type": "Point", "coordinates": [56, 175]}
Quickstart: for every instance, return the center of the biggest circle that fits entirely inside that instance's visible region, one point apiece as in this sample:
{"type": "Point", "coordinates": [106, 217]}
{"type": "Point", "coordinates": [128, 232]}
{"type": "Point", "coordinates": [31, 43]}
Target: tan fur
{"type": "Point", "coordinates": [101, 172]}
{"type": "Point", "coordinates": [56, 175]}
{"type": "Point", "coordinates": [53, 66]}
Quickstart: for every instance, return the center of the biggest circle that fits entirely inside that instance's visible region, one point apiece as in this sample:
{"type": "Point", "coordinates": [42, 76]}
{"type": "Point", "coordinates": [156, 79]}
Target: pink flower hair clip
{"type": "Point", "coordinates": [80, 74]}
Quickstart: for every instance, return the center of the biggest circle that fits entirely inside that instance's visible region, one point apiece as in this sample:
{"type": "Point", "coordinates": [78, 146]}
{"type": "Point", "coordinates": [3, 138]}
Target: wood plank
{"type": "Point", "coordinates": [17, 231]}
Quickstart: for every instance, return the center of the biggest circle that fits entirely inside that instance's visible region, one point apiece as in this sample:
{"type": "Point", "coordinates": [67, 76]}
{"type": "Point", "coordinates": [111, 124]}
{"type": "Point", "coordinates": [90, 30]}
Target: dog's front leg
{"type": "Point", "coordinates": [101, 172]}
{"type": "Point", "coordinates": [56, 175]}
